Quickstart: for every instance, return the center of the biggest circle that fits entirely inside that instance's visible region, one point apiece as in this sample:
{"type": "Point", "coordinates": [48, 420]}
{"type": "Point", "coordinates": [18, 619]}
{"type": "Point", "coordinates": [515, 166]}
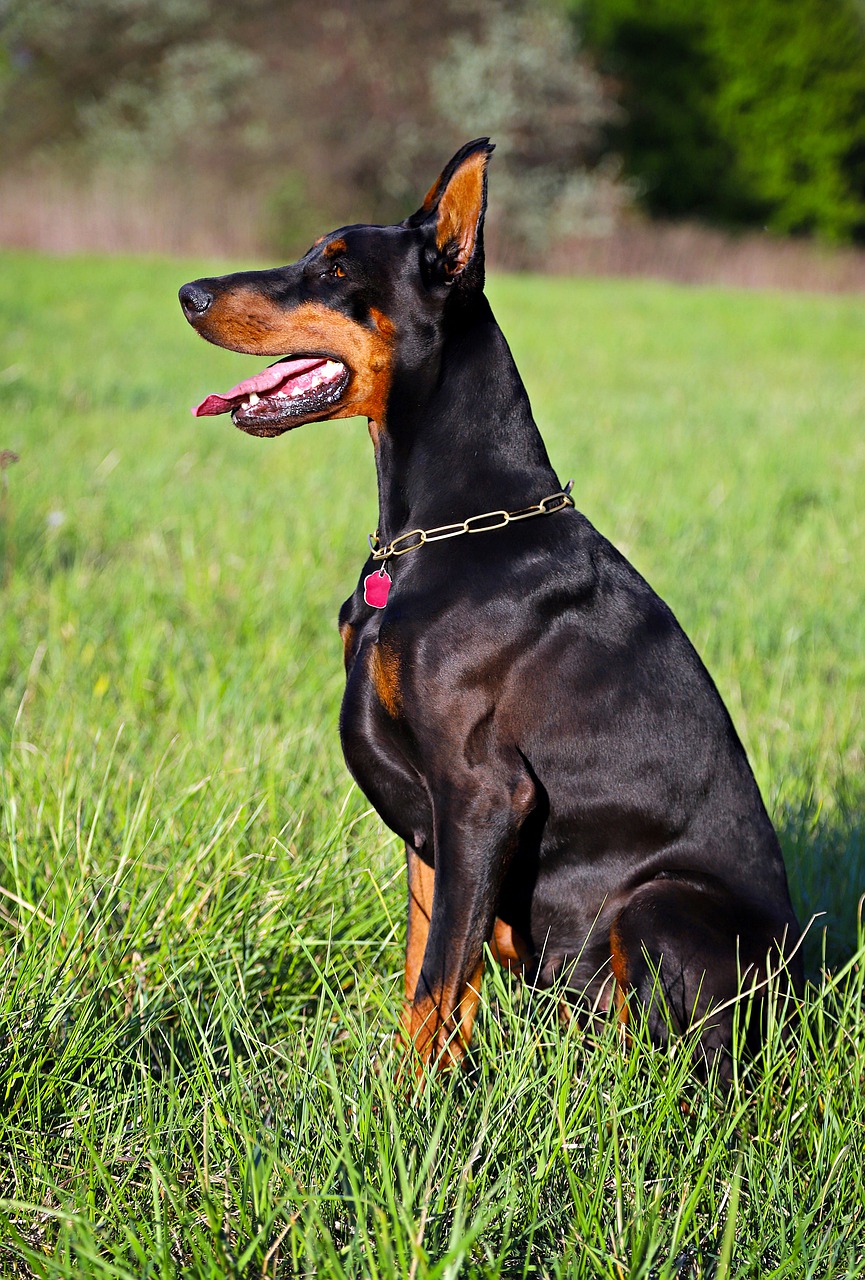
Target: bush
{"type": "Point", "coordinates": [743, 110]}
{"type": "Point", "coordinates": [292, 221]}
{"type": "Point", "coordinates": [363, 98]}
{"type": "Point", "coordinates": [521, 77]}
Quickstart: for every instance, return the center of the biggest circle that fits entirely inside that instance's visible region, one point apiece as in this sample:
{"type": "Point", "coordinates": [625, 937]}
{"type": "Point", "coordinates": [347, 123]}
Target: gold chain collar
{"type": "Point", "coordinates": [418, 537]}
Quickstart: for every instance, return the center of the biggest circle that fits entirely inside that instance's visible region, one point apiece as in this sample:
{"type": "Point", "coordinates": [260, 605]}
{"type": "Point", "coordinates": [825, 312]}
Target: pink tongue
{"type": "Point", "coordinates": [268, 380]}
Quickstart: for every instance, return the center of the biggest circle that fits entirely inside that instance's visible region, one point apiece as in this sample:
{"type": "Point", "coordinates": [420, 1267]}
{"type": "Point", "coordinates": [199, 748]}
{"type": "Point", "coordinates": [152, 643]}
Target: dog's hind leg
{"type": "Point", "coordinates": [694, 955]}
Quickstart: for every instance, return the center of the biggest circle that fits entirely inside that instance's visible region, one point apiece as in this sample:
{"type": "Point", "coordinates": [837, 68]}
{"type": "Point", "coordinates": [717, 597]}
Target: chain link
{"type": "Point", "coordinates": [416, 538]}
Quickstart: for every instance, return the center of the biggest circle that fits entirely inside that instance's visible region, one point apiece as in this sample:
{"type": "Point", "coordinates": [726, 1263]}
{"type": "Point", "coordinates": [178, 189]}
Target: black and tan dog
{"type": "Point", "coordinates": [520, 707]}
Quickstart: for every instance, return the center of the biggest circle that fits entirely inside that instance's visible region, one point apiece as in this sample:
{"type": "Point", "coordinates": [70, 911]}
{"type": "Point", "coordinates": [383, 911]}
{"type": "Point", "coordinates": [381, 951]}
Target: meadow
{"type": "Point", "coordinates": [201, 921]}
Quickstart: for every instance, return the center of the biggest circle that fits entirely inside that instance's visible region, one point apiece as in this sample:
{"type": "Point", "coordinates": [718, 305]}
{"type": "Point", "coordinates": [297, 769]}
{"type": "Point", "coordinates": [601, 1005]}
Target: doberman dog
{"type": "Point", "coordinates": [520, 707]}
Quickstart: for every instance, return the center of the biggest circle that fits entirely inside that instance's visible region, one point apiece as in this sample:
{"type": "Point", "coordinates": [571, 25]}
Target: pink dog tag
{"type": "Point", "coordinates": [376, 588]}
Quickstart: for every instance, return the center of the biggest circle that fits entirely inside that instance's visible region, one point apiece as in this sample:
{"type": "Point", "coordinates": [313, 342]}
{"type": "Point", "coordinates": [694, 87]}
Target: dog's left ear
{"type": "Point", "coordinates": [453, 215]}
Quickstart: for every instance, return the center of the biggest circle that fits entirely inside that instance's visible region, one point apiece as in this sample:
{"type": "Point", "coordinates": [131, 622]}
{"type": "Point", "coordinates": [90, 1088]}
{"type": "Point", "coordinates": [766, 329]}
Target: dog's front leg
{"type": "Point", "coordinates": [476, 827]}
{"type": "Point", "coordinates": [421, 879]}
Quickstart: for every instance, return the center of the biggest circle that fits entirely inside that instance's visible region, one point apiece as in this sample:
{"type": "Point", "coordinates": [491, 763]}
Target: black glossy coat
{"type": "Point", "coordinates": [526, 713]}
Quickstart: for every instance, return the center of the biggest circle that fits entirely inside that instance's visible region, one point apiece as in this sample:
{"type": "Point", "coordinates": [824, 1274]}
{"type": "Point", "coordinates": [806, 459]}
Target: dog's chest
{"type": "Point", "coordinates": [380, 749]}
{"type": "Point", "coordinates": [375, 736]}
{"type": "Point", "coordinates": [374, 666]}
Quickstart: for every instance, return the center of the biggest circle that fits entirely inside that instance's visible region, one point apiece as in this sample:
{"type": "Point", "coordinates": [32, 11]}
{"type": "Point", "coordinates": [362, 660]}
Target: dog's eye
{"type": "Point", "coordinates": [336, 271]}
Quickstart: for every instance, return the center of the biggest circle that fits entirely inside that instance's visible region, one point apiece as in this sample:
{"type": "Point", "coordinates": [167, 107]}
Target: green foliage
{"type": "Point", "coordinates": [62, 56]}
{"type": "Point", "coordinates": [365, 98]}
{"type": "Point", "coordinates": [292, 221]}
{"type": "Point", "coordinates": [192, 94]}
{"type": "Point", "coordinates": [743, 110]}
{"type": "Point", "coordinates": [139, 80]}
{"type": "Point", "coordinates": [793, 110]}
{"type": "Point", "coordinates": [201, 921]}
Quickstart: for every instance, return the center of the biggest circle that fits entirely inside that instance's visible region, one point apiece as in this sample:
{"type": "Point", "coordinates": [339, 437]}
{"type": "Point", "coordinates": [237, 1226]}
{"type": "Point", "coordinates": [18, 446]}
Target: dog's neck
{"type": "Point", "coordinates": [458, 437]}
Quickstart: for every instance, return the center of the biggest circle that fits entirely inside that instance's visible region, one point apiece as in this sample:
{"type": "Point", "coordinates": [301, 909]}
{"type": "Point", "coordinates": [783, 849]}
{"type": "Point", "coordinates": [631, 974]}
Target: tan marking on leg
{"type": "Point", "coordinates": [421, 1021]}
{"type": "Point", "coordinates": [384, 672]}
{"type": "Point", "coordinates": [438, 1024]}
{"type": "Point", "coordinates": [421, 879]}
{"type": "Point", "coordinates": [467, 1009]}
{"type": "Point", "coordinates": [508, 947]}
{"type": "Point", "coordinates": [440, 1028]}
{"type": "Point", "coordinates": [619, 965]}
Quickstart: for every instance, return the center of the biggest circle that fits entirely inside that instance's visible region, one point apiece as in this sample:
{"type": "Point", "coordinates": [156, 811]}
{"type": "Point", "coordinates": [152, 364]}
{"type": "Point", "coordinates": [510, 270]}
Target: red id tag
{"type": "Point", "coordinates": [376, 588]}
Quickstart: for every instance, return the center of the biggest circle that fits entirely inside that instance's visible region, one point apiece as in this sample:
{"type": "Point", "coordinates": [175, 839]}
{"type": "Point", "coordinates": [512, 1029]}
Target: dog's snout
{"type": "Point", "coordinates": [195, 300]}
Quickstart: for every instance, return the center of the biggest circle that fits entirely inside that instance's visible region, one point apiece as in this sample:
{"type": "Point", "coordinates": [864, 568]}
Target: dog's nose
{"type": "Point", "coordinates": [195, 300]}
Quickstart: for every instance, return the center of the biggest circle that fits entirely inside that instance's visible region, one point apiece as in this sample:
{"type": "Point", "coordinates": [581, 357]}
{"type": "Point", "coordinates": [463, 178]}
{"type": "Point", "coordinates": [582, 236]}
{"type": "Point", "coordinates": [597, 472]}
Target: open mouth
{"type": "Point", "coordinates": [293, 387]}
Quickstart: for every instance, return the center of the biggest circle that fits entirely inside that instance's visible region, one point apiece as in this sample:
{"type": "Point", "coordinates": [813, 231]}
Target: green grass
{"type": "Point", "coordinates": [201, 921]}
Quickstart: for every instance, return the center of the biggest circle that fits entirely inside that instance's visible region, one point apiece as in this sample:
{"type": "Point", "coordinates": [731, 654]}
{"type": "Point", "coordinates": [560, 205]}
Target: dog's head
{"type": "Point", "coordinates": [361, 301]}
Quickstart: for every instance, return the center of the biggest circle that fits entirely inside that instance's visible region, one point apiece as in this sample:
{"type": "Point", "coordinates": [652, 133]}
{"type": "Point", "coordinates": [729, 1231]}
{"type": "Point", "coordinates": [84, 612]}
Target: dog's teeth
{"type": "Point", "coordinates": [253, 399]}
{"type": "Point", "coordinates": [244, 404]}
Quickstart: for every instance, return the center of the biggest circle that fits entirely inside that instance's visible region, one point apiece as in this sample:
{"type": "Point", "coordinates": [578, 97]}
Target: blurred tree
{"type": "Point", "coordinates": [520, 76]}
{"type": "Point", "coordinates": [378, 92]}
{"type": "Point", "coordinates": [742, 110]}
{"type": "Point", "coordinates": [190, 97]}
{"type": "Point", "coordinates": [791, 104]}
{"type": "Point", "coordinates": [127, 79]}
{"type": "Point", "coordinates": [340, 111]}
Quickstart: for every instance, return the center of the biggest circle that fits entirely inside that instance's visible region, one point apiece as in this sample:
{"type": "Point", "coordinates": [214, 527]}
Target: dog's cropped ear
{"type": "Point", "coordinates": [453, 216]}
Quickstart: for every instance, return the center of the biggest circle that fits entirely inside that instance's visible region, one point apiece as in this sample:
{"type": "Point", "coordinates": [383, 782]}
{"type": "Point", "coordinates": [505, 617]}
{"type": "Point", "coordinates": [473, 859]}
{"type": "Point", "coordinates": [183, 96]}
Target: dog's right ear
{"type": "Point", "coordinates": [453, 216]}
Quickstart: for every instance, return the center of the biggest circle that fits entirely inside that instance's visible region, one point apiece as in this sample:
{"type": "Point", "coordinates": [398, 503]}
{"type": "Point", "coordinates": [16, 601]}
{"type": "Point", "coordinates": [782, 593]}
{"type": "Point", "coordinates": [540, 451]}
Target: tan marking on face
{"type": "Point", "coordinates": [384, 669]}
{"type": "Point", "coordinates": [334, 248]}
{"type": "Point", "coordinates": [459, 209]}
{"type": "Point", "coordinates": [384, 324]}
{"type": "Point", "coordinates": [378, 404]}
{"type": "Point", "coordinates": [245, 320]}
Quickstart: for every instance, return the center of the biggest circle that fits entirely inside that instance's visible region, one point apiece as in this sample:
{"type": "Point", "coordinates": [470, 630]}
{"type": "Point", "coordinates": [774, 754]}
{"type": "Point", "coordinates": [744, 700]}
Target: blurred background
{"type": "Point", "coordinates": [721, 141]}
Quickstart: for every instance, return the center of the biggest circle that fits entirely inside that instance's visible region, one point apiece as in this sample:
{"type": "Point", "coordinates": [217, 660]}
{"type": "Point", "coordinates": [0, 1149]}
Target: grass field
{"type": "Point", "coordinates": [201, 921]}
